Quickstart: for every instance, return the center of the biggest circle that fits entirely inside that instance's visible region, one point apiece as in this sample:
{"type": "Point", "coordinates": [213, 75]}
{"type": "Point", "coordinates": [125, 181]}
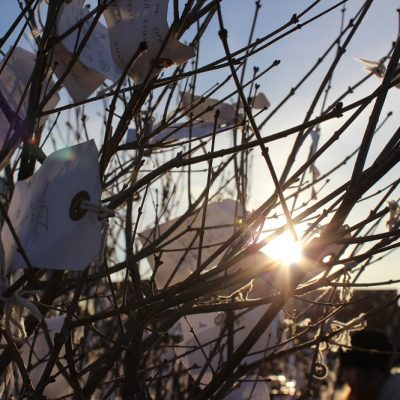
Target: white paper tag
{"type": "Point", "coordinates": [315, 135]}
{"type": "Point", "coordinates": [37, 350]}
{"type": "Point", "coordinates": [96, 53]}
{"type": "Point", "coordinates": [206, 360]}
{"type": "Point", "coordinates": [377, 67]}
{"type": "Point", "coordinates": [132, 22]}
{"type": "Point", "coordinates": [183, 131]}
{"type": "Point", "coordinates": [261, 101]}
{"type": "Point", "coordinates": [219, 226]}
{"type": "Point", "coordinates": [13, 100]}
{"type": "Point", "coordinates": [197, 106]}
{"type": "Point", "coordinates": [176, 132]}
{"type": "Point", "coordinates": [40, 212]}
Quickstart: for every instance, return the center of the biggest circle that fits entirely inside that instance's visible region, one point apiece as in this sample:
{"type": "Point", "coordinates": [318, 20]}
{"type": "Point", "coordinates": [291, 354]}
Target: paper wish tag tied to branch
{"type": "Point", "coordinates": [176, 132]}
{"type": "Point", "coordinates": [260, 101]}
{"type": "Point", "coordinates": [204, 109]}
{"type": "Point", "coordinates": [180, 254]}
{"type": "Point", "coordinates": [95, 62]}
{"type": "Point", "coordinates": [15, 77]}
{"type": "Point", "coordinates": [376, 67]}
{"type": "Point", "coordinates": [315, 174]}
{"type": "Point", "coordinates": [185, 131]}
{"type": "Point", "coordinates": [133, 22]}
{"type": "Point", "coordinates": [52, 228]}
{"type": "Point", "coordinates": [204, 350]}
{"type": "Point", "coordinates": [36, 353]}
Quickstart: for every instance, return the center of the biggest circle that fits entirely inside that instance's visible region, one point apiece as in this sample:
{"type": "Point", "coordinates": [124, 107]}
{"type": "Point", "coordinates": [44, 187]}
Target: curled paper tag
{"type": "Point", "coordinates": [180, 255]}
{"type": "Point", "coordinates": [36, 353]}
{"type": "Point", "coordinates": [183, 131]}
{"type": "Point", "coordinates": [14, 96]}
{"type": "Point", "coordinates": [261, 101]}
{"type": "Point", "coordinates": [96, 53]}
{"type": "Point", "coordinates": [132, 22]}
{"type": "Point", "coordinates": [176, 132]}
{"type": "Point", "coordinates": [197, 106]}
{"type": "Point", "coordinates": [315, 135]}
{"type": "Point", "coordinates": [203, 362]}
{"type": "Point", "coordinates": [94, 63]}
{"type": "Point", "coordinates": [377, 67]}
{"type": "Point", "coordinates": [42, 213]}
{"type": "Point", "coordinates": [80, 81]}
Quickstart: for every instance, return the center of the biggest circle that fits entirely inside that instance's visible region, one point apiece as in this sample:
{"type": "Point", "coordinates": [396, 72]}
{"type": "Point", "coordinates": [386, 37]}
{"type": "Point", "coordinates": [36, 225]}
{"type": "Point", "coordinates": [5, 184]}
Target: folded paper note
{"type": "Point", "coordinates": [204, 109]}
{"type": "Point", "coordinates": [315, 135]}
{"type": "Point", "coordinates": [180, 255]}
{"type": "Point", "coordinates": [261, 101]}
{"type": "Point", "coordinates": [44, 212]}
{"type": "Point", "coordinates": [132, 22]}
{"type": "Point", "coordinates": [95, 62]}
{"type": "Point", "coordinates": [377, 67]}
{"type": "Point", "coordinates": [183, 131]}
{"type": "Point", "coordinates": [14, 96]}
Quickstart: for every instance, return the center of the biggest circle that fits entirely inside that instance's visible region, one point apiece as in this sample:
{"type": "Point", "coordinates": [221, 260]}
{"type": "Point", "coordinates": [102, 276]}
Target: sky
{"type": "Point", "coordinates": [297, 53]}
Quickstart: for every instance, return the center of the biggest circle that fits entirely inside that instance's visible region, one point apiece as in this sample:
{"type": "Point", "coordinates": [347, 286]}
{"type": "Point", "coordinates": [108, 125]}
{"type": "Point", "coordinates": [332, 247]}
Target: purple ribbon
{"type": "Point", "coordinates": [18, 124]}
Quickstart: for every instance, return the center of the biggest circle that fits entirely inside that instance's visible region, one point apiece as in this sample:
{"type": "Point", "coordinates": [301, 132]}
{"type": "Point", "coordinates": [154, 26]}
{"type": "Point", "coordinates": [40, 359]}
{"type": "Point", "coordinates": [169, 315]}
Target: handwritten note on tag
{"type": "Point", "coordinates": [96, 53]}
{"type": "Point", "coordinates": [42, 212]}
{"type": "Point", "coordinates": [196, 106]}
{"type": "Point", "coordinates": [132, 22]}
{"type": "Point", "coordinates": [14, 97]}
{"type": "Point", "coordinates": [183, 250]}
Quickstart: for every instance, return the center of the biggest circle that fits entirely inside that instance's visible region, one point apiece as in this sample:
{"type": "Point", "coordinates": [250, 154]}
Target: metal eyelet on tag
{"type": "Point", "coordinates": [75, 211]}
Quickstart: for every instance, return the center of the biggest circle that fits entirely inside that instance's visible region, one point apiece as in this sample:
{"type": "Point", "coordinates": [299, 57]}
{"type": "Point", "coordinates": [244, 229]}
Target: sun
{"type": "Point", "coordinates": [284, 249]}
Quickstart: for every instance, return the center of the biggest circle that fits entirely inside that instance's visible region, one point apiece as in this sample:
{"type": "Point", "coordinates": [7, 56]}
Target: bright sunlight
{"type": "Point", "coordinates": [284, 248]}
